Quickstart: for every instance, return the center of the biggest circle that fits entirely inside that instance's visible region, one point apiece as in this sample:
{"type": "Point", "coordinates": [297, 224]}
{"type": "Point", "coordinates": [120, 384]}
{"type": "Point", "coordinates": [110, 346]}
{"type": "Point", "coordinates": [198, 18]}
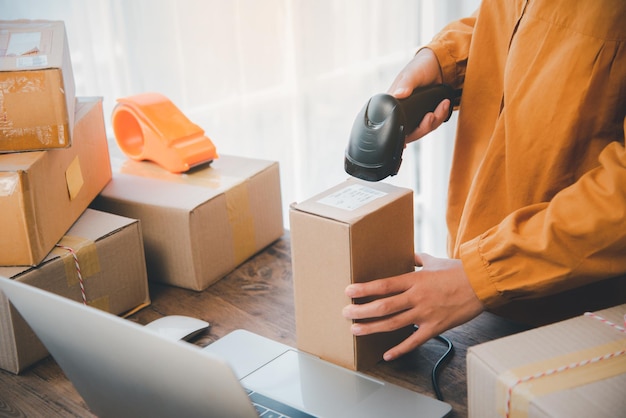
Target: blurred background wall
{"type": "Point", "coordinates": [272, 79]}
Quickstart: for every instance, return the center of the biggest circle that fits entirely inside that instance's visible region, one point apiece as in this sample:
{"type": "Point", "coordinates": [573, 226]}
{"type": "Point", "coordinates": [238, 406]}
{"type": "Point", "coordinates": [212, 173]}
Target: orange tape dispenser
{"type": "Point", "coordinates": [149, 126]}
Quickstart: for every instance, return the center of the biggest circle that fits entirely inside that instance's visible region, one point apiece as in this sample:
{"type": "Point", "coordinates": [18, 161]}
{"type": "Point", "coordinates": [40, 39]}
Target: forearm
{"type": "Point", "coordinates": [579, 237]}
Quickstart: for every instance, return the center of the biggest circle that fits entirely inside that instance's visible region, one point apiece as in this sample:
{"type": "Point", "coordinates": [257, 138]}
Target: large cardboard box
{"type": "Point", "coordinates": [36, 86]}
{"type": "Point", "coordinates": [353, 232]}
{"type": "Point", "coordinates": [42, 193]}
{"type": "Point", "coordinates": [573, 368]}
{"type": "Point", "coordinates": [109, 251]}
{"type": "Point", "coordinates": [198, 226]}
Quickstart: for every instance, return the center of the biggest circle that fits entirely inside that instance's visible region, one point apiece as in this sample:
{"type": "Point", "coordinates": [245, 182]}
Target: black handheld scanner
{"type": "Point", "coordinates": [378, 135]}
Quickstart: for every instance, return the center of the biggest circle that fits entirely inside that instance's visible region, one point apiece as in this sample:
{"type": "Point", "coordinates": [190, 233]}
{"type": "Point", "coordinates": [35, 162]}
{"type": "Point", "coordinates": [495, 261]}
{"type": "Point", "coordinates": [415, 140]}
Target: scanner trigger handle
{"type": "Point", "coordinates": [424, 100]}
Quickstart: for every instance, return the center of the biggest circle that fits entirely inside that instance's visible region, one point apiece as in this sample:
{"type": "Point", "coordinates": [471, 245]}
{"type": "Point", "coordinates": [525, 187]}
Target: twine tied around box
{"type": "Point", "coordinates": [569, 366]}
{"type": "Point", "coordinates": [78, 273]}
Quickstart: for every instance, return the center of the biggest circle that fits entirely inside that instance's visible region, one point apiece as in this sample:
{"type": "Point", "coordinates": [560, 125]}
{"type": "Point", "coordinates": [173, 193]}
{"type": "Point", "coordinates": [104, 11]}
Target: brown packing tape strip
{"type": "Point", "coordinates": [201, 178]}
{"type": "Point", "coordinates": [74, 178]}
{"type": "Point", "coordinates": [241, 221]}
{"type": "Point", "coordinates": [103, 303]}
{"type": "Point", "coordinates": [34, 85]}
{"type": "Point", "coordinates": [87, 254]}
{"type": "Point", "coordinates": [238, 207]}
{"type": "Point", "coordinates": [523, 393]}
{"type": "Point", "coordinates": [209, 178]}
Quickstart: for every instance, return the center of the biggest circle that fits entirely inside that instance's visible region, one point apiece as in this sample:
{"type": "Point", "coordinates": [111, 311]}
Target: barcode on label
{"type": "Point", "coordinates": [352, 197]}
{"type": "Point", "coordinates": [34, 61]}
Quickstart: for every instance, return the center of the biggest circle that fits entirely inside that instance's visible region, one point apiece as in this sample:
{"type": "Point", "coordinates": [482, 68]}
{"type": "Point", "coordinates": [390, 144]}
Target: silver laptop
{"type": "Point", "coordinates": [122, 369]}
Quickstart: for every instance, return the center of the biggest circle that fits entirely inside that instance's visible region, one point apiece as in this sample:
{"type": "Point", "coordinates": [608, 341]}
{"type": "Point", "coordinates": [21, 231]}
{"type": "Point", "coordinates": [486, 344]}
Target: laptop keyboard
{"type": "Point", "coordinates": [270, 408]}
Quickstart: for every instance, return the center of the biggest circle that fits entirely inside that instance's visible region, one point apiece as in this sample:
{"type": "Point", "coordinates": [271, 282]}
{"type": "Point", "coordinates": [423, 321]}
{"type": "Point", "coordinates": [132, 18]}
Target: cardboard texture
{"type": "Point", "coordinates": [110, 256]}
{"type": "Point", "coordinates": [573, 368]}
{"type": "Point", "coordinates": [42, 193]}
{"type": "Point", "coordinates": [37, 93]}
{"type": "Point", "coordinates": [353, 232]}
{"type": "Point", "coordinates": [198, 226]}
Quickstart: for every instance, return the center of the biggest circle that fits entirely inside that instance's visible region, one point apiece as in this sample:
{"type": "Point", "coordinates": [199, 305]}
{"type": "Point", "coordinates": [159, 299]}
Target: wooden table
{"type": "Point", "coordinates": [256, 296]}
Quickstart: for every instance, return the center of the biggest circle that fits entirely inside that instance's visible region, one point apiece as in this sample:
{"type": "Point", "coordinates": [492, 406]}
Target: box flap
{"type": "Point", "coordinates": [147, 183]}
{"type": "Point", "coordinates": [84, 104]}
{"type": "Point", "coordinates": [31, 44]}
{"type": "Point", "coordinates": [93, 226]}
{"type": "Point", "coordinates": [351, 200]}
{"type": "Point", "coordinates": [19, 161]}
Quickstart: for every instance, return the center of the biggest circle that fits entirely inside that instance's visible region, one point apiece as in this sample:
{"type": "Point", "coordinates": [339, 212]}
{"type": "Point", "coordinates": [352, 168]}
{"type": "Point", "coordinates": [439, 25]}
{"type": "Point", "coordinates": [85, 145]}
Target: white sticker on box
{"type": "Point", "coordinates": [8, 183]}
{"type": "Point", "coordinates": [352, 197]}
{"type": "Point", "coordinates": [36, 61]}
{"type": "Point", "coordinates": [23, 43]}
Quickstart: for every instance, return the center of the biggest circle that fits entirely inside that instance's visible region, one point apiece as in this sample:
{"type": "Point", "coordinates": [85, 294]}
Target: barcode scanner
{"type": "Point", "coordinates": [378, 135]}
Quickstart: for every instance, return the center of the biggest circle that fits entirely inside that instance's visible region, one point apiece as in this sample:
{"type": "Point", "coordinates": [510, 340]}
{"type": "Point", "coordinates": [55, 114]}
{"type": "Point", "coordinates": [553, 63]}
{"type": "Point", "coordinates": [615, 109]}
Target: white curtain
{"type": "Point", "coordinates": [271, 79]}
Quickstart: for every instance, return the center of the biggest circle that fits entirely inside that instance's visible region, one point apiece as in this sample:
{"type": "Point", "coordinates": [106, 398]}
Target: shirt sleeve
{"type": "Point", "coordinates": [451, 46]}
{"type": "Point", "coordinates": [577, 238]}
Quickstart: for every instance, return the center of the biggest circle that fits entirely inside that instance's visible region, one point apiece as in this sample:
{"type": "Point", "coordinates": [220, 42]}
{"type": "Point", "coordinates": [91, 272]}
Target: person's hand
{"type": "Point", "coordinates": [422, 70]}
{"type": "Point", "coordinates": [436, 298]}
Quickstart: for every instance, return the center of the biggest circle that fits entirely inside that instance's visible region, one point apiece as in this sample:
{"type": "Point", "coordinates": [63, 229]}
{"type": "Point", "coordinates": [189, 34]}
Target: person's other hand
{"type": "Point", "coordinates": [422, 70]}
{"type": "Point", "coordinates": [436, 298]}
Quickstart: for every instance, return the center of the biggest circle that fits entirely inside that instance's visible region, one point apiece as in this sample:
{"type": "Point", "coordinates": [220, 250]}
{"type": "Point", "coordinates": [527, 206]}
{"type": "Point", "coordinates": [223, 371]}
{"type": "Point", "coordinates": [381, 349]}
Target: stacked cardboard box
{"type": "Point", "coordinates": [198, 226]}
{"type": "Point", "coordinates": [54, 161]}
{"type": "Point", "coordinates": [44, 192]}
{"type": "Point", "coordinates": [36, 86]}
{"type": "Point", "coordinates": [573, 368]}
{"type": "Point", "coordinates": [109, 251]}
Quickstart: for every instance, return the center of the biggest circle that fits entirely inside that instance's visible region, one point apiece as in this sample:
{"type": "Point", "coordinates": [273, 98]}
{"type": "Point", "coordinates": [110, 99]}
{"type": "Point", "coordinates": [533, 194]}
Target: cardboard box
{"type": "Point", "coordinates": [36, 86]}
{"type": "Point", "coordinates": [42, 193]}
{"type": "Point", "coordinates": [109, 249]}
{"type": "Point", "coordinates": [198, 226]}
{"type": "Point", "coordinates": [573, 368]}
{"type": "Point", "coordinates": [353, 232]}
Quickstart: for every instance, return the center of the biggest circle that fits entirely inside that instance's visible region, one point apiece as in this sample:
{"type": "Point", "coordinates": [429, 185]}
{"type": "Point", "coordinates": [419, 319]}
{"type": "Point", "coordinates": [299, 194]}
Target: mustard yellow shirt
{"type": "Point", "coordinates": [537, 195]}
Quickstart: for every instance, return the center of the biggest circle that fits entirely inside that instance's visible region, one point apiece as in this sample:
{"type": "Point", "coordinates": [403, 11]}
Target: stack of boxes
{"type": "Point", "coordinates": [70, 199]}
{"type": "Point", "coordinates": [54, 161]}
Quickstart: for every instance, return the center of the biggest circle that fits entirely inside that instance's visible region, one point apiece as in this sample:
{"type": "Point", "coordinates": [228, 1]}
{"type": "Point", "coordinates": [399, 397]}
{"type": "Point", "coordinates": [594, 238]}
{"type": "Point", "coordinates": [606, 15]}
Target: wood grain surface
{"type": "Point", "coordinates": [257, 296]}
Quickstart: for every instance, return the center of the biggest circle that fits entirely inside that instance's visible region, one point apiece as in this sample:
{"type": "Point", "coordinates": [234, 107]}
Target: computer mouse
{"type": "Point", "coordinates": [178, 327]}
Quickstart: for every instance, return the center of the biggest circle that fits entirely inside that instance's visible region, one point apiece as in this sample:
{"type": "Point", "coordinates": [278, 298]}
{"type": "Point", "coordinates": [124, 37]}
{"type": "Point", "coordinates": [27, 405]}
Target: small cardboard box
{"type": "Point", "coordinates": [42, 193]}
{"type": "Point", "coordinates": [198, 226]}
{"type": "Point", "coordinates": [109, 249]}
{"type": "Point", "coordinates": [353, 232]}
{"type": "Point", "coordinates": [573, 368]}
{"type": "Point", "coordinates": [36, 86]}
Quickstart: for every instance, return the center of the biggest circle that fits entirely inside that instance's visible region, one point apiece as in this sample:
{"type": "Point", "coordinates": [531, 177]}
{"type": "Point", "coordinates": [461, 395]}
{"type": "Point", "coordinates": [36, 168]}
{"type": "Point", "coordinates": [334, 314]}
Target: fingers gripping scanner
{"type": "Point", "coordinates": [379, 132]}
{"type": "Point", "coordinates": [149, 126]}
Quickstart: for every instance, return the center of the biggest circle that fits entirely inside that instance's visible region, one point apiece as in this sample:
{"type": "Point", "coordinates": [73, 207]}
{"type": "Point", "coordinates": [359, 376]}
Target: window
{"type": "Point", "coordinates": [271, 79]}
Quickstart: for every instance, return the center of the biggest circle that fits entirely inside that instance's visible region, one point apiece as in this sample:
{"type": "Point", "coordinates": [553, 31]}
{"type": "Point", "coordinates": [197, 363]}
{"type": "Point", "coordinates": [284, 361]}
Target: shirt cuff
{"type": "Point", "coordinates": [477, 270]}
{"type": "Point", "coordinates": [447, 62]}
